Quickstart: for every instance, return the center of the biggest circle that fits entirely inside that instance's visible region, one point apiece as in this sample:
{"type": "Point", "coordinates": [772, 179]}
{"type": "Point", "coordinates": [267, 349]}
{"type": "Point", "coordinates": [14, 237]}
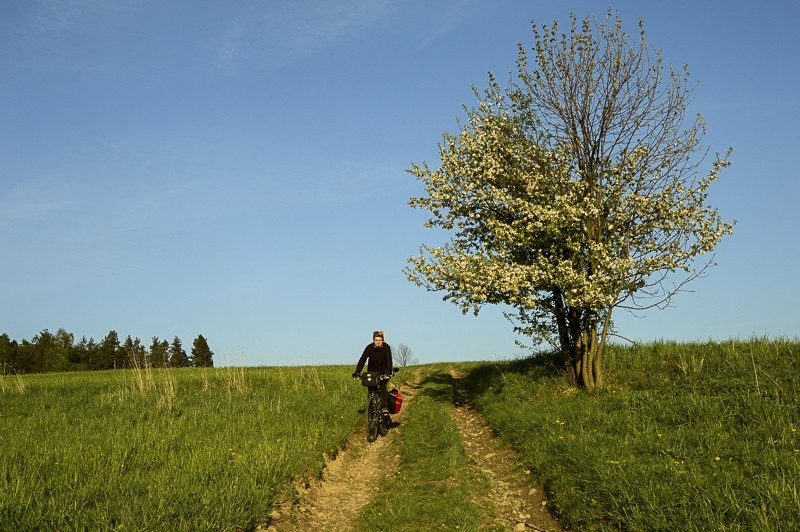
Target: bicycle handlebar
{"type": "Point", "coordinates": [356, 376]}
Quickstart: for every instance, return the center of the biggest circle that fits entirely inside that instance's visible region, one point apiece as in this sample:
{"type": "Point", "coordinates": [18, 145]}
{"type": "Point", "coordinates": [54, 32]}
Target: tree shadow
{"type": "Point", "coordinates": [491, 375]}
{"type": "Point", "coordinates": [439, 387]}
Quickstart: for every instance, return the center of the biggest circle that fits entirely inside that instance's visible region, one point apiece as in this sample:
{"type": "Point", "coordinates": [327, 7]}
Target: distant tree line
{"type": "Point", "coordinates": [47, 352]}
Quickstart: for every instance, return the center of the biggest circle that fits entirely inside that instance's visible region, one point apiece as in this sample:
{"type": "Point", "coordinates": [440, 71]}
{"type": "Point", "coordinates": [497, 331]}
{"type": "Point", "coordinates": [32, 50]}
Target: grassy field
{"type": "Point", "coordinates": [202, 449]}
{"type": "Point", "coordinates": [684, 437]}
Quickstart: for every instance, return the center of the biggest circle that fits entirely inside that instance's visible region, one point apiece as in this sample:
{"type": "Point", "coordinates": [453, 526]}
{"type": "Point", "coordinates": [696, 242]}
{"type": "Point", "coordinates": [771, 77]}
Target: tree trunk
{"type": "Point", "coordinates": [588, 349]}
{"type": "Point", "coordinates": [571, 362]}
{"type": "Point", "coordinates": [581, 348]}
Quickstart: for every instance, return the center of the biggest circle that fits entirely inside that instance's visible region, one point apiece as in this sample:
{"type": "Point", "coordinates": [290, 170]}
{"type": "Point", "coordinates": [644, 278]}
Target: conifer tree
{"type": "Point", "coordinates": [8, 354]}
{"type": "Point", "coordinates": [134, 353]}
{"type": "Point", "coordinates": [159, 353]}
{"type": "Point", "coordinates": [24, 362]}
{"type": "Point", "coordinates": [83, 352]}
{"type": "Point", "coordinates": [40, 346]}
{"type": "Point", "coordinates": [177, 355]}
{"type": "Point", "coordinates": [202, 356]}
{"type": "Point", "coordinates": [108, 352]}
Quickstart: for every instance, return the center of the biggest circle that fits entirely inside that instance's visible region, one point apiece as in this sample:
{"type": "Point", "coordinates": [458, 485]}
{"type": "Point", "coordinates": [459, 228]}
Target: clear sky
{"type": "Point", "coordinates": [236, 169]}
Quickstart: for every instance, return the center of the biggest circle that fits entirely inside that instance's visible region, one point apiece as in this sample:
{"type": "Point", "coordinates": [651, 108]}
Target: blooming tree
{"type": "Point", "coordinates": [573, 191]}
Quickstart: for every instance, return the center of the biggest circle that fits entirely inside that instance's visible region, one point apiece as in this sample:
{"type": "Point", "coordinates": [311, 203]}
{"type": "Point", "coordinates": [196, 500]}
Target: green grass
{"type": "Point", "coordinates": [165, 449]}
{"type": "Point", "coordinates": [683, 437]}
{"type": "Point", "coordinates": [433, 486]}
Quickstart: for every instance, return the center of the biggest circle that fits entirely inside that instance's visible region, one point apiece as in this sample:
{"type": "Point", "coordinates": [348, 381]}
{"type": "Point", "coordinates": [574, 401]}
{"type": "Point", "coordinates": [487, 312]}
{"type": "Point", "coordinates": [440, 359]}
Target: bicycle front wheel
{"type": "Point", "coordinates": [373, 417]}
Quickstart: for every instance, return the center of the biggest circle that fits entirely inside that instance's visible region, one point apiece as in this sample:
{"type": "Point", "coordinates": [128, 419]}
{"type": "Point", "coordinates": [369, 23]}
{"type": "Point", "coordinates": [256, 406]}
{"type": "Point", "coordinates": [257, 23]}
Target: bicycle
{"type": "Point", "coordinates": [377, 423]}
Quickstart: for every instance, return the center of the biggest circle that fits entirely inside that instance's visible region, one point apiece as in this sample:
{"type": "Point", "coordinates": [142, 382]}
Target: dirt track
{"type": "Point", "coordinates": [348, 484]}
{"type": "Point", "coordinates": [518, 505]}
{"type": "Point", "coordinates": [350, 480]}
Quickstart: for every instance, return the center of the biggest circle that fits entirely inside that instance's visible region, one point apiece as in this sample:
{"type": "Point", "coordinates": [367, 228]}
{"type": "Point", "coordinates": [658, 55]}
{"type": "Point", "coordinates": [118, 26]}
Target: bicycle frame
{"type": "Point", "coordinates": [377, 422]}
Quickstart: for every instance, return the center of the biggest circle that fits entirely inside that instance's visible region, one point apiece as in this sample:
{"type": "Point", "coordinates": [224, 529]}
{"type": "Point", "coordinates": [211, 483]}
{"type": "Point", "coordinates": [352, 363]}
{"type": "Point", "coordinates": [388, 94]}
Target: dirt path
{"type": "Point", "coordinates": [350, 480]}
{"type": "Point", "coordinates": [348, 484]}
{"type": "Point", "coordinates": [518, 506]}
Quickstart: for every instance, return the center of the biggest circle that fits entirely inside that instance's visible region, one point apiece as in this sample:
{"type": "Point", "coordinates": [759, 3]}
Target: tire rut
{"type": "Point", "coordinates": [349, 482]}
{"type": "Point", "coordinates": [518, 505]}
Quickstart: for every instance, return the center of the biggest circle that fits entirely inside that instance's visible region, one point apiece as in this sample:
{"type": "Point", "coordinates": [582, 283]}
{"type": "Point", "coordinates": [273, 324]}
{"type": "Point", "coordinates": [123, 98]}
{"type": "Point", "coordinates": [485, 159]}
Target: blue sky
{"type": "Point", "coordinates": [236, 169]}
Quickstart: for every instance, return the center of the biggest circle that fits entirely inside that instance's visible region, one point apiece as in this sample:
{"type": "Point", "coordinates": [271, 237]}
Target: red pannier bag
{"type": "Point", "coordinates": [395, 401]}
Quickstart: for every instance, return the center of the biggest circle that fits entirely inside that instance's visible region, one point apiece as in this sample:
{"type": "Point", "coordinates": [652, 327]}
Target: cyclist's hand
{"type": "Point", "coordinates": [356, 376]}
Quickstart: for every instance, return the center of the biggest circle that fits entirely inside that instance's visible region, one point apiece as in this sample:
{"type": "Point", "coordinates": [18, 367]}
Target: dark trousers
{"type": "Point", "coordinates": [384, 394]}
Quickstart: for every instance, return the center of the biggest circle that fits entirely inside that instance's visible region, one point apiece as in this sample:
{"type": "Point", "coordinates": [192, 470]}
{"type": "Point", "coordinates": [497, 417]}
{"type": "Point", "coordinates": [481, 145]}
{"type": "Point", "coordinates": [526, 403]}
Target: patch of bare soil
{"type": "Point", "coordinates": [518, 505]}
{"type": "Point", "coordinates": [349, 482]}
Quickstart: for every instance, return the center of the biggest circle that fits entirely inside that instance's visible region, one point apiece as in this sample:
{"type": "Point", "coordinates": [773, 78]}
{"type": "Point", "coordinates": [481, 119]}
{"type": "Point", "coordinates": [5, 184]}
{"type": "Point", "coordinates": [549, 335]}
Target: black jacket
{"type": "Point", "coordinates": [379, 359]}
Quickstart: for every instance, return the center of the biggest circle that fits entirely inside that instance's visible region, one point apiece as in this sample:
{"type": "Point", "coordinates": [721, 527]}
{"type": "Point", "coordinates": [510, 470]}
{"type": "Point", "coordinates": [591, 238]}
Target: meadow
{"type": "Point", "coordinates": [165, 449]}
{"type": "Point", "coordinates": [697, 436]}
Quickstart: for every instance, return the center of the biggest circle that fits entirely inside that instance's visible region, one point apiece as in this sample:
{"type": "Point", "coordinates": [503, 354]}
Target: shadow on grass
{"type": "Point", "coordinates": [491, 374]}
{"type": "Point", "coordinates": [439, 387]}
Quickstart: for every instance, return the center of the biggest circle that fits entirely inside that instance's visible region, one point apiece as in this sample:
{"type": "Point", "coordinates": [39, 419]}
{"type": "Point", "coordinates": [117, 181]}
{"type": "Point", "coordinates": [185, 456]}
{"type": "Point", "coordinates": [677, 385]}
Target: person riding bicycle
{"type": "Point", "coordinates": [379, 355]}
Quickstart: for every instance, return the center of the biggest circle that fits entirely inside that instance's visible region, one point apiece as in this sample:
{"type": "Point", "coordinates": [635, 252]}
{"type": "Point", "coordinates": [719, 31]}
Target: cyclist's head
{"type": "Point", "coordinates": [377, 338]}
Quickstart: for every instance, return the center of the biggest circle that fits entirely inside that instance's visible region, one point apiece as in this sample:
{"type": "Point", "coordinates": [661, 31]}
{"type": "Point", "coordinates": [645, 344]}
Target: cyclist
{"type": "Point", "coordinates": [379, 355]}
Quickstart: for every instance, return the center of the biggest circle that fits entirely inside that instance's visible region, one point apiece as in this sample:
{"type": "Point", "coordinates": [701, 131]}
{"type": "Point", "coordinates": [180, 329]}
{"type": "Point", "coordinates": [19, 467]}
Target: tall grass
{"type": "Point", "coordinates": [699, 436]}
{"type": "Point", "coordinates": [165, 449]}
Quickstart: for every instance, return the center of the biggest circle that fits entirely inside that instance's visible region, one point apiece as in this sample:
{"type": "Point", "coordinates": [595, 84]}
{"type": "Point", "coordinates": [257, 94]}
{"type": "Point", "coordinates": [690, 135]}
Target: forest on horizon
{"type": "Point", "coordinates": [49, 352]}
